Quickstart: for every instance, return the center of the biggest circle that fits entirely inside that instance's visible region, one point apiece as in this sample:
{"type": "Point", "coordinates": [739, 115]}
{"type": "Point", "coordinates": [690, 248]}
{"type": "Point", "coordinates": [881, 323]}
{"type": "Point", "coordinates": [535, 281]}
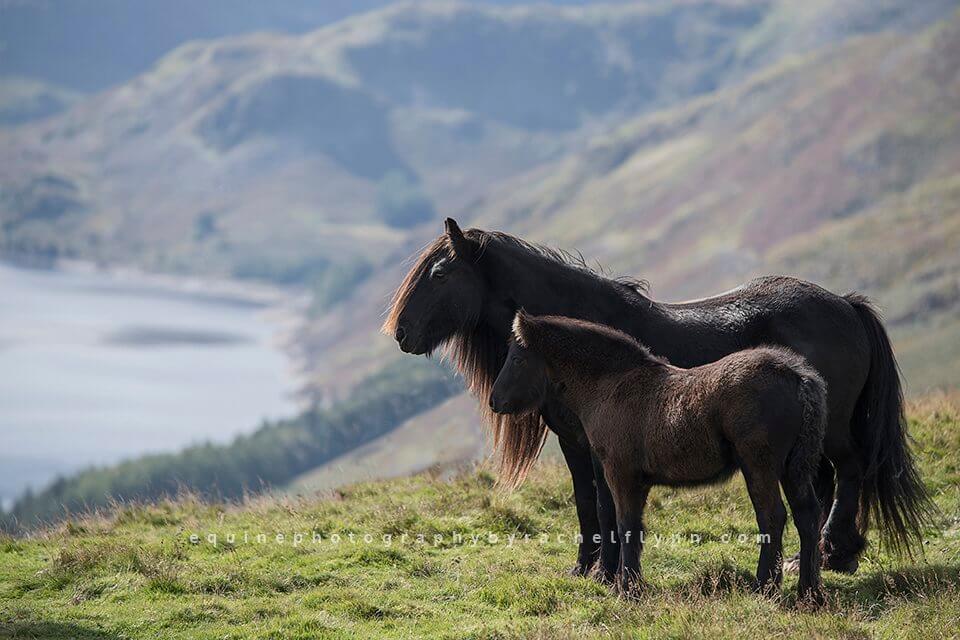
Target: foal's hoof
{"type": "Point", "coordinates": [792, 564]}
{"type": "Point", "coordinates": [579, 570]}
{"type": "Point", "coordinates": [603, 576]}
{"type": "Point", "coordinates": [630, 588]}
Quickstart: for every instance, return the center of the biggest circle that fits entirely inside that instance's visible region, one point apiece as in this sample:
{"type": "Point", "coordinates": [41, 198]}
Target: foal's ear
{"type": "Point", "coordinates": [462, 248]}
{"type": "Point", "coordinates": [521, 324]}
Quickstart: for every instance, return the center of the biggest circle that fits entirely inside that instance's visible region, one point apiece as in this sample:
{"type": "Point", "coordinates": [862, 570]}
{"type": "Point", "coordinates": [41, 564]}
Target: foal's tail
{"type": "Point", "coordinates": [893, 492]}
{"type": "Point", "coordinates": [804, 458]}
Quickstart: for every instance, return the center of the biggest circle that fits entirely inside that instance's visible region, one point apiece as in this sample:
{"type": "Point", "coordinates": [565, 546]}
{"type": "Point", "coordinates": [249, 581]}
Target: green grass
{"type": "Point", "coordinates": [135, 572]}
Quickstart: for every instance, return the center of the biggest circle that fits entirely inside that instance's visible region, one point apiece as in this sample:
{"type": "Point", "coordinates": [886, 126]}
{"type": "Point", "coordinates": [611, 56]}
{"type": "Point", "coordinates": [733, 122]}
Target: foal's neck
{"type": "Point", "coordinates": [586, 385]}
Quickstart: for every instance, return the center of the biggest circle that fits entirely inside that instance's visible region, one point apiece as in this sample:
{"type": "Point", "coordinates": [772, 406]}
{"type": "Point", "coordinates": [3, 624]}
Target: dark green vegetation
{"type": "Point", "coordinates": [135, 573]}
{"type": "Point", "coordinates": [271, 456]}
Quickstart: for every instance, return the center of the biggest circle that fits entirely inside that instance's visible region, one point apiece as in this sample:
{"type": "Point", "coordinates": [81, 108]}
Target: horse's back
{"type": "Point", "coordinates": [821, 326]}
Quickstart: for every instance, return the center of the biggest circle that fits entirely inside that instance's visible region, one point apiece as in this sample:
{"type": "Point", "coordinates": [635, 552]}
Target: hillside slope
{"type": "Point", "coordinates": [136, 573]}
{"type": "Point", "coordinates": [840, 167]}
{"type": "Point", "coordinates": [299, 157]}
{"type": "Point", "coordinates": [278, 155]}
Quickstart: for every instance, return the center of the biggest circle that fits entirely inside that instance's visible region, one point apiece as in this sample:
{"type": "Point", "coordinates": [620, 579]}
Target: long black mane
{"type": "Point", "coordinates": [562, 257]}
{"type": "Point", "coordinates": [478, 353]}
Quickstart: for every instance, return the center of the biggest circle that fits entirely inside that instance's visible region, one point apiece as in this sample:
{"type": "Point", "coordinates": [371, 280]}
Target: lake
{"type": "Point", "coordinates": [99, 366]}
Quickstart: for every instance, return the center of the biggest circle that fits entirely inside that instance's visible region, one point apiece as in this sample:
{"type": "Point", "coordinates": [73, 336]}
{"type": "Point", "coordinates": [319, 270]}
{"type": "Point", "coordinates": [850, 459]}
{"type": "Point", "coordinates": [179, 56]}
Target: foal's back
{"type": "Point", "coordinates": [693, 426]}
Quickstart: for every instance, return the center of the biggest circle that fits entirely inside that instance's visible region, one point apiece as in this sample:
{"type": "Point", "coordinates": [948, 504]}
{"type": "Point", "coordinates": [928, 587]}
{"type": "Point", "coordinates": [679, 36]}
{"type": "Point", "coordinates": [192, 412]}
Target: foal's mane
{"type": "Point", "coordinates": [478, 353]}
{"type": "Point", "coordinates": [591, 348]}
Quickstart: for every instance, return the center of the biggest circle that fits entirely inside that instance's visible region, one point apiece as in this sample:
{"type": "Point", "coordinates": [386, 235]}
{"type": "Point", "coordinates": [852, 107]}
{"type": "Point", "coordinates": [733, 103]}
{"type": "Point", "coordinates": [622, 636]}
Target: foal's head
{"type": "Point", "coordinates": [442, 295]}
{"type": "Point", "coordinates": [521, 385]}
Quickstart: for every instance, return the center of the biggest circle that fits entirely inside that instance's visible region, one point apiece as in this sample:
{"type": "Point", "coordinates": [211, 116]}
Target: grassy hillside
{"type": "Point", "coordinates": [135, 572]}
{"type": "Point", "coordinates": [693, 143]}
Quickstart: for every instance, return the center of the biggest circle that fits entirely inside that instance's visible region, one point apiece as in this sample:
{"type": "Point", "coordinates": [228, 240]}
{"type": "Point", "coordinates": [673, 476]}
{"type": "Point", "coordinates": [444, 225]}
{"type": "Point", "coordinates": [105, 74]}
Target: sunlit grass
{"type": "Point", "coordinates": [136, 572]}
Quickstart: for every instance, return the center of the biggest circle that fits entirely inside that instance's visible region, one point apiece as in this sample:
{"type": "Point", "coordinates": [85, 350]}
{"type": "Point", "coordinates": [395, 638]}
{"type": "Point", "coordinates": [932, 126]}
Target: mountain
{"type": "Point", "coordinates": [315, 158]}
{"type": "Point", "coordinates": [840, 166]}
{"type": "Point", "coordinates": [280, 155]}
{"type": "Point", "coordinates": [90, 46]}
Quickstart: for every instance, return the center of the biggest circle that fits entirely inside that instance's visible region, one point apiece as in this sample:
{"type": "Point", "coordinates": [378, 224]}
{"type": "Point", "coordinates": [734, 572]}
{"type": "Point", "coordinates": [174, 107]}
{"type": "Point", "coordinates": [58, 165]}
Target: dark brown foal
{"type": "Point", "coordinates": [761, 411]}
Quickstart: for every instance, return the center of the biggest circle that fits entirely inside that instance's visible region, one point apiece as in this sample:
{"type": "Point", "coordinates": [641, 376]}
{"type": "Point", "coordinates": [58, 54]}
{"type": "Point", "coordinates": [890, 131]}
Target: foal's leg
{"type": "Point", "coordinates": [806, 515]}
{"type": "Point", "coordinates": [764, 488]}
{"type": "Point", "coordinates": [585, 497]}
{"type": "Point", "coordinates": [609, 526]}
{"type": "Point", "coordinates": [630, 529]}
{"type": "Point", "coordinates": [824, 487]}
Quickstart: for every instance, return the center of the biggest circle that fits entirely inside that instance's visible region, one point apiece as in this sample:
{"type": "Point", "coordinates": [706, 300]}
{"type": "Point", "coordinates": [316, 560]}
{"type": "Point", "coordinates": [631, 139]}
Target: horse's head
{"type": "Point", "coordinates": [441, 296]}
{"type": "Point", "coordinates": [521, 385]}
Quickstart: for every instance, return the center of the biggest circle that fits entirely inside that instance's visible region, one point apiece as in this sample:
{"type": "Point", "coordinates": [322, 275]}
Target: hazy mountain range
{"type": "Point", "coordinates": [692, 143]}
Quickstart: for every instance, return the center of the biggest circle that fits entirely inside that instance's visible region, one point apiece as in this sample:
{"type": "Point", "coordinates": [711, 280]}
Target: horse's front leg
{"type": "Point", "coordinates": [585, 498]}
{"type": "Point", "coordinates": [607, 516]}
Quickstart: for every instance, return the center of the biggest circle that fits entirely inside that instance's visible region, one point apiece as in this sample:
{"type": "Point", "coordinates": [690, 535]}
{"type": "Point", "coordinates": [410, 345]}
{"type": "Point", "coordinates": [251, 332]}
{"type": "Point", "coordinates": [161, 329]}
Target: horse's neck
{"type": "Point", "coordinates": [545, 287]}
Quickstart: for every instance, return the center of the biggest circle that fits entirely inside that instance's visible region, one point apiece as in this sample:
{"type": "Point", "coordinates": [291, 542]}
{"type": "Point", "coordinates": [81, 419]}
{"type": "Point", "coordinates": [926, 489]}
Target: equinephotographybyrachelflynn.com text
{"type": "Point", "coordinates": [299, 539]}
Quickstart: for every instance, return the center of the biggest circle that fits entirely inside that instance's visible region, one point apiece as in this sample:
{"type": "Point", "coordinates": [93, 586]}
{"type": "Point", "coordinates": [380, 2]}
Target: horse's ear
{"type": "Point", "coordinates": [462, 248]}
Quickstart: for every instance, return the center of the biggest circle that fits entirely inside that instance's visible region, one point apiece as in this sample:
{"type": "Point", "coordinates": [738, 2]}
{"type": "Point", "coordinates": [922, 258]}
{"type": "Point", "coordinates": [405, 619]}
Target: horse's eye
{"type": "Point", "coordinates": [517, 360]}
{"type": "Point", "coordinates": [438, 271]}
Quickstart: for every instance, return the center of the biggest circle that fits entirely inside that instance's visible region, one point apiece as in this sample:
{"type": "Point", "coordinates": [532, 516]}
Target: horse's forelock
{"type": "Point", "coordinates": [436, 249]}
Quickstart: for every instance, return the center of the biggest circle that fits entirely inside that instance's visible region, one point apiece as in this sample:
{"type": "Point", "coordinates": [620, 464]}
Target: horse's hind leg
{"type": "Point", "coordinates": [764, 488]}
{"type": "Point", "coordinates": [842, 539]}
{"type": "Point", "coordinates": [806, 515]}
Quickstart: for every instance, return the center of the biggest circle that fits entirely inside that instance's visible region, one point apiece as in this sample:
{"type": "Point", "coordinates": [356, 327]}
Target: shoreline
{"type": "Point", "coordinates": [101, 337]}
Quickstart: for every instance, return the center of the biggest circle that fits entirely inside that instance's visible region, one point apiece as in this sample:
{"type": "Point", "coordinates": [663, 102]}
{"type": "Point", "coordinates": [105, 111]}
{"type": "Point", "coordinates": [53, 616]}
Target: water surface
{"type": "Point", "coordinates": [98, 366]}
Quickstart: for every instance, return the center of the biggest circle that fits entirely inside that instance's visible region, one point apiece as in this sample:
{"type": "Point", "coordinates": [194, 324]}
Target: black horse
{"type": "Point", "coordinates": [762, 411]}
{"type": "Point", "coordinates": [466, 287]}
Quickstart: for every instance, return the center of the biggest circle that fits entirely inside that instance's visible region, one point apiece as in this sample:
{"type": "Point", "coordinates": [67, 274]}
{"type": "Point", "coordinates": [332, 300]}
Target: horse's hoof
{"type": "Point", "coordinates": [631, 591]}
{"type": "Point", "coordinates": [579, 570]}
{"type": "Point", "coordinates": [841, 565]}
{"type": "Point", "coordinates": [811, 598]}
{"type": "Point", "coordinates": [768, 589]}
{"type": "Point", "coordinates": [792, 565]}
{"type": "Point", "coordinates": [603, 577]}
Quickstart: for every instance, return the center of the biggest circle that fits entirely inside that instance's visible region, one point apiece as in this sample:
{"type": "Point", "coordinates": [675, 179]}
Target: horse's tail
{"type": "Point", "coordinates": [804, 460]}
{"type": "Point", "coordinates": [893, 492]}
